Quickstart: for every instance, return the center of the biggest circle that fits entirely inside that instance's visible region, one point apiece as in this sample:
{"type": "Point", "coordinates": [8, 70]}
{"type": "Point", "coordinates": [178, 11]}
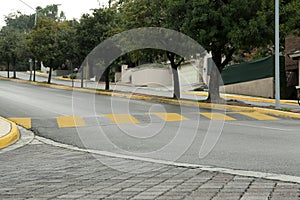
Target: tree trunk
{"type": "Point", "coordinates": [14, 68]}
{"type": "Point", "coordinates": [214, 84]}
{"type": "Point", "coordinates": [106, 76]}
{"type": "Point", "coordinates": [215, 75]}
{"type": "Point", "coordinates": [34, 67]}
{"type": "Point", "coordinates": [50, 72]}
{"type": "Point", "coordinates": [8, 69]}
{"type": "Point", "coordinates": [49, 76]}
{"type": "Point", "coordinates": [171, 56]}
{"type": "Point", "coordinates": [176, 93]}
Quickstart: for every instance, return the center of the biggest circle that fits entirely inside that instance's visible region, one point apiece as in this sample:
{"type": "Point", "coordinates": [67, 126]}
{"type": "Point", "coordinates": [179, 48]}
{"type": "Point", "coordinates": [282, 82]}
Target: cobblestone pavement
{"type": "Point", "coordinates": [40, 171]}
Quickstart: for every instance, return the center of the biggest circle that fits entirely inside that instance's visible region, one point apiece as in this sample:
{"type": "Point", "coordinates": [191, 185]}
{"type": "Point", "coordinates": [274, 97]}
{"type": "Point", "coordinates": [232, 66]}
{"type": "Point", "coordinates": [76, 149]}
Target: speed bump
{"type": "Point", "coordinates": [122, 118]}
{"type": "Point", "coordinates": [25, 122]}
{"type": "Point", "coordinates": [69, 121]}
{"type": "Point", "coordinates": [170, 117]}
{"type": "Point", "coordinates": [217, 116]}
{"type": "Point", "coordinates": [258, 116]}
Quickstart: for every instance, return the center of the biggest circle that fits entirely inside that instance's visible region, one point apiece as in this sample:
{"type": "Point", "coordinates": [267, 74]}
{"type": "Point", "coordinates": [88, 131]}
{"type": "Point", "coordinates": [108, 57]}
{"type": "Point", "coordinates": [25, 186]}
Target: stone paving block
{"type": "Point", "coordinates": [43, 172]}
{"type": "Point", "coordinates": [254, 198]}
{"type": "Point", "coordinates": [143, 197]}
{"type": "Point", "coordinates": [93, 197]}
{"type": "Point", "coordinates": [228, 195]}
{"type": "Point", "coordinates": [179, 197]}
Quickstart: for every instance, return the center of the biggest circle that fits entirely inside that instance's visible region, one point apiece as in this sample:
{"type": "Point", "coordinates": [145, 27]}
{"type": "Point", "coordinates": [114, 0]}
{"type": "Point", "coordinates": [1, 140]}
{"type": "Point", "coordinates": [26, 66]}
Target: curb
{"type": "Point", "coordinates": [244, 173]}
{"type": "Point", "coordinates": [246, 98]}
{"type": "Point", "coordinates": [56, 78]}
{"type": "Point", "coordinates": [166, 100]}
{"type": "Point", "coordinates": [11, 137]}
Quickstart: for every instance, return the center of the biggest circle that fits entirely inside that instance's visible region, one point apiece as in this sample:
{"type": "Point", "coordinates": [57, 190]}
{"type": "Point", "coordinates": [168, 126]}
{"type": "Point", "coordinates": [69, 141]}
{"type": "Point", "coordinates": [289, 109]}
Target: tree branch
{"type": "Point", "coordinates": [179, 63]}
{"type": "Point", "coordinates": [228, 57]}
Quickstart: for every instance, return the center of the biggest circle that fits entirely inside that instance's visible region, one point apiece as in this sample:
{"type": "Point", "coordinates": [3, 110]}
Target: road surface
{"type": "Point", "coordinates": [167, 132]}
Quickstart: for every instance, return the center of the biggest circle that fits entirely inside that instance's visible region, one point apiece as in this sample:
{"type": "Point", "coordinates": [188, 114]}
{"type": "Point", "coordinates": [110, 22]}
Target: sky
{"type": "Point", "coordinates": [71, 8]}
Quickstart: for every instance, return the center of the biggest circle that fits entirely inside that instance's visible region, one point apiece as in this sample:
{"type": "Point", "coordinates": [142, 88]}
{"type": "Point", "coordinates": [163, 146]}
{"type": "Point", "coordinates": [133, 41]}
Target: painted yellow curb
{"type": "Point", "coordinates": [11, 137]}
{"type": "Point", "coordinates": [246, 98]}
{"type": "Point", "coordinates": [166, 100]}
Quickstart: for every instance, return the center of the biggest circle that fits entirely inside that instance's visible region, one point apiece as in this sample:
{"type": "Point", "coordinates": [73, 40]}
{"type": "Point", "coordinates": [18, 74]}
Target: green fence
{"type": "Point", "coordinates": [255, 70]}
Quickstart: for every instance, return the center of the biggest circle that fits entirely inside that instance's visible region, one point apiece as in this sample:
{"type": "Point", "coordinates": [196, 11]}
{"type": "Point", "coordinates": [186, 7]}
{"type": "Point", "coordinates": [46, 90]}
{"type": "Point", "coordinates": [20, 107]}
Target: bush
{"type": "Point", "coordinates": [73, 76]}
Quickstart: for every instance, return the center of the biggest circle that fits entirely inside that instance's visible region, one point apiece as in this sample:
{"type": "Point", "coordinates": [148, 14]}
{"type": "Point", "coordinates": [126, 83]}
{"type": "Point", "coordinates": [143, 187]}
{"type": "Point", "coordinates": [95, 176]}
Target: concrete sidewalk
{"type": "Point", "coordinates": [43, 171]}
{"type": "Point", "coordinates": [9, 133]}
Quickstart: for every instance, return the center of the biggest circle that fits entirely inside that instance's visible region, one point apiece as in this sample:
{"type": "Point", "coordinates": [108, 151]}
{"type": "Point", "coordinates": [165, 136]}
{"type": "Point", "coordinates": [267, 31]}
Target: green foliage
{"type": "Point", "coordinates": [11, 45]}
{"type": "Point", "coordinates": [51, 11]}
{"type": "Point", "coordinates": [51, 42]}
{"type": "Point", "coordinates": [93, 29]}
{"type": "Point", "coordinates": [225, 28]}
{"type": "Point", "coordinates": [21, 22]}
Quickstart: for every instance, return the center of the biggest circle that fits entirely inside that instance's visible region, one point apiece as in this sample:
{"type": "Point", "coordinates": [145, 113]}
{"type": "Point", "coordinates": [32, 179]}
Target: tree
{"type": "Point", "coordinates": [19, 21]}
{"type": "Point", "coordinates": [154, 13]}
{"type": "Point", "coordinates": [224, 27]}
{"type": "Point", "coordinates": [49, 43]}
{"type": "Point", "coordinates": [11, 47]}
{"type": "Point", "coordinates": [51, 12]}
{"type": "Point", "coordinates": [91, 31]}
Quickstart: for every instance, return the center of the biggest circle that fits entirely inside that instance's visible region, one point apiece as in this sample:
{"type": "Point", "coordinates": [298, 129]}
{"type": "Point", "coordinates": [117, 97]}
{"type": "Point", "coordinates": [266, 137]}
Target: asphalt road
{"type": "Point", "coordinates": [159, 131]}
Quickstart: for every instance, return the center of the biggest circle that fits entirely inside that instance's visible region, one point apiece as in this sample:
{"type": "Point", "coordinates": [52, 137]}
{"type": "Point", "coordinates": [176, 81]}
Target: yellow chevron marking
{"type": "Point", "coordinates": [69, 121]}
{"type": "Point", "coordinates": [170, 117]}
{"type": "Point", "coordinates": [258, 116]}
{"type": "Point", "coordinates": [122, 118]}
{"type": "Point", "coordinates": [25, 122]}
{"type": "Point", "coordinates": [216, 116]}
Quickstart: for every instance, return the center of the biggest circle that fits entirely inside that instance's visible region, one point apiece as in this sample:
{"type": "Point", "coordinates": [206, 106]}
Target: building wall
{"type": "Point", "coordinates": [260, 88]}
{"type": "Point", "coordinates": [291, 42]}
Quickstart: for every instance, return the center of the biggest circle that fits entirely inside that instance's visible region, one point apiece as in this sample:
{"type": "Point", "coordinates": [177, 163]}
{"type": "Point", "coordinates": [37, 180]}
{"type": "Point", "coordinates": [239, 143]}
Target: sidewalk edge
{"type": "Point", "coordinates": [11, 137]}
{"type": "Point", "coordinates": [238, 172]}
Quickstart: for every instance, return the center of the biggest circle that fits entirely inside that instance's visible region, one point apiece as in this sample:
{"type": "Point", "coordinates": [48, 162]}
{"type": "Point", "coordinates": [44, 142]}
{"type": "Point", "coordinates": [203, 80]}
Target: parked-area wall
{"type": "Point", "coordinates": [150, 76]}
{"type": "Point", "coordinates": [260, 88]}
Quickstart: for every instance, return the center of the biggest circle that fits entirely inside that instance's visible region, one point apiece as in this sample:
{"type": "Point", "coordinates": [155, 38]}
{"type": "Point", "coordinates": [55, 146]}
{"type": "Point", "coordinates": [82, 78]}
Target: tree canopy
{"type": "Point", "coordinates": [223, 28]}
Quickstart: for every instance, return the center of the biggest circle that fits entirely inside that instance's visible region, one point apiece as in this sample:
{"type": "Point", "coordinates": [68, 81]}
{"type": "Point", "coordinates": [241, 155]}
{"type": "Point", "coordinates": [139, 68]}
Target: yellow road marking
{"type": "Point", "coordinates": [122, 118]}
{"type": "Point", "coordinates": [258, 116]}
{"type": "Point", "coordinates": [170, 117]}
{"type": "Point", "coordinates": [11, 137]}
{"type": "Point", "coordinates": [69, 121]}
{"type": "Point", "coordinates": [25, 122]}
{"type": "Point", "coordinates": [216, 116]}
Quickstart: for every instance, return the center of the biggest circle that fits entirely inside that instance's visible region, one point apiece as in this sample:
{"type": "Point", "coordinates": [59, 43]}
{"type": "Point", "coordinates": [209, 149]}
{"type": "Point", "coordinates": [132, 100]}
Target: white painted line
{"type": "Point", "coordinates": [269, 176]}
{"type": "Point", "coordinates": [256, 126]}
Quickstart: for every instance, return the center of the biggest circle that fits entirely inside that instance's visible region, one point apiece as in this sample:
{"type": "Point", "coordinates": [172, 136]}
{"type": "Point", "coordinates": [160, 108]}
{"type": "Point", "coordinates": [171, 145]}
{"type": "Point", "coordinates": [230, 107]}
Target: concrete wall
{"type": "Point", "coordinates": [118, 76]}
{"type": "Point", "coordinates": [188, 74]}
{"type": "Point", "coordinates": [260, 88]}
{"type": "Point", "coordinates": [61, 72]}
{"type": "Point", "coordinates": [126, 76]}
{"type": "Point", "coordinates": [152, 76]}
